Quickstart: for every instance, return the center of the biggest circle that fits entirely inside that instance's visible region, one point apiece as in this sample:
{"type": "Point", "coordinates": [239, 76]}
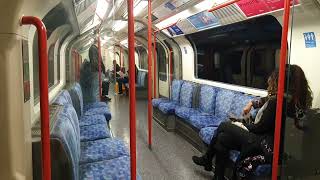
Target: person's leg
{"type": "Point", "coordinates": [120, 85]}
{"type": "Point", "coordinates": [238, 136]}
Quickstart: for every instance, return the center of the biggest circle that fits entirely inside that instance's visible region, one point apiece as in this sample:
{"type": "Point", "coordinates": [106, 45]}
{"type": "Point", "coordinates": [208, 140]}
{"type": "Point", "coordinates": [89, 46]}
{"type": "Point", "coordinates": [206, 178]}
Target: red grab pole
{"type": "Point", "coordinates": [170, 63]}
{"type": "Point", "coordinates": [99, 66]}
{"type": "Point", "coordinates": [154, 65]}
{"type": "Point", "coordinates": [149, 75]}
{"type": "Point", "coordinates": [44, 97]}
{"type": "Point", "coordinates": [132, 92]}
{"type": "Point", "coordinates": [281, 81]}
{"type": "Point", "coordinates": [223, 5]}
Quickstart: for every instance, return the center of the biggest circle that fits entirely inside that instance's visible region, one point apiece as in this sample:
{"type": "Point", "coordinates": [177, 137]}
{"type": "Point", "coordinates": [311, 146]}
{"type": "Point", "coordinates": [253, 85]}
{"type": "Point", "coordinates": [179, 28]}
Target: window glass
{"type": "Point", "coordinates": [162, 62]}
{"type": "Point", "coordinates": [241, 54]}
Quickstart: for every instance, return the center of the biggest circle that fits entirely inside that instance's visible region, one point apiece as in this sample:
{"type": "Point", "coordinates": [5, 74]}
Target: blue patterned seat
{"type": "Point", "coordinates": [240, 100]}
{"type": "Point", "coordinates": [202, 120]}
{"type": "Point", "coordinates": [224, 102]}
{"type": "Point", "coordinates": [207, 133]}
{"type": "Point", "coordinates": [104, 149]}
{"type": "Point", "coordinates": [63, 98]}
{"type": "Point", "coordinates": [113, 169]}
{"type": "Point", "coordinates": [94, 132]}
{"type": "Point", "coordinates": [185, 99]}
{"type": "Point", "coordinates": [206, 104]}
{"type": "Point", "coordinates": [185, 113]}
{"type": "Point", "coordinates": [175, 94]}
{"type": "Point", "coordinates": [156, 102]}
{"type": "Point", "coordinates": [95, 105]}
{"type": "Point", "coordinates": [92, 120]}
{"type": "Point", "coordinates": [99, 110]}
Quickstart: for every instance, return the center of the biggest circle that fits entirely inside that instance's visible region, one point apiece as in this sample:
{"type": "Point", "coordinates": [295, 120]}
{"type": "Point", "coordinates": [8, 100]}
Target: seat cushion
{"type": "Point", "coordinates": [207, 133]}
{"type": "Point", "coordinates": [239, 102]}
{"type": "Point", "coordinates": [92, 120]}
{"type": "Point", "coordinates": [263, 170]}
{"type": "Point", "coordinates": [200, 121]}
{"type": "Point", "coordinates": [101, 110]}
{"type": "Point", "coordinates": [95, 105]}
{"type": "Point", "coordinates": [184, 112]}
{"type": "Point", "coordinates": [175, 90]}
{"type": "Point", "coordinates": [233, 155]}
{"type": "Point", "coordinates": [156, 102]}
{"type": "Point", "coordinates": [224, 101]}
{"type": "Point", "coordinates": [113, 169]}
{"type": "Point", "coordinates": [94, 132]}
{"type": "Point", "coordinates": [207, 99]}
{"type": "Point", "coordinates": [186, 94]}
{"type": "Point", "coordinates": [168, 107]}
{"type": "Point", "coordinates": [103, 149]}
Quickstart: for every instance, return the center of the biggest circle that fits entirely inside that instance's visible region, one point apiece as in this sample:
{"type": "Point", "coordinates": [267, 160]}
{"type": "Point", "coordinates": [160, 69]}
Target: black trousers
{"type": "Point", "coordinates": [105, 88]}
{"type": "Point", "coordinates": [228, 137]}
{"type": "Point", "coordinates": [122, 81]}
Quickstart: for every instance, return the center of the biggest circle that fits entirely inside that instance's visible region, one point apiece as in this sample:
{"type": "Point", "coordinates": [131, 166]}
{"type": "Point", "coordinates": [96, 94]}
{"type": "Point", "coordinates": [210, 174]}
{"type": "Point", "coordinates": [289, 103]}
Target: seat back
{"type": "Point", "coordinates": [224, 101]}
{"type": "Point", "coordinates": [186, 94]}
{"type": "Point", "coordinates": [78, 90]}
{"type": "Point", "coordinates": [69, 137]}
{"type": "Point", "coordinates": [207, 99]}
{"type": "Point", "coordinates": [75, 101]}
{"type": "Point", "coordinates": [239, 101]}
{"type": "Point", "coordinates": [175, 90]}
{"type": "Point", "coordinates": [63, 98]}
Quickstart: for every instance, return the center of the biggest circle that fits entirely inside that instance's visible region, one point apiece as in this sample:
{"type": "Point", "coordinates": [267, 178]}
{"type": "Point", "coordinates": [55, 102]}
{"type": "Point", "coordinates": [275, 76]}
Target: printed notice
{"type": "Point", "coordinates": [204, 20]}
{"type": "Point", "coordinates": [310, 40]}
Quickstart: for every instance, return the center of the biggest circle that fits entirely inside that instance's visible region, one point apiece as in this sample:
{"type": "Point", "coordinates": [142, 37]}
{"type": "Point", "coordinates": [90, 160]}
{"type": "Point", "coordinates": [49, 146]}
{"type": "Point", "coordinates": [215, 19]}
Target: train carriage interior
{"type": "Point", "coordinates": [159, 89]}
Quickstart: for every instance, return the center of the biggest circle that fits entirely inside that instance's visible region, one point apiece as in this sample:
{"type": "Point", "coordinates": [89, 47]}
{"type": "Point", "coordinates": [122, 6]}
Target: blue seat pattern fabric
{"type": "Point", "coordinates": [63, 98]}
{"type": "Point", "coordinates": [113, 169]}
{"type": "Point", "coordinates": [156, 102]}
{"type": "Point", "coordinates": [184, 112]}
{"type": "Point", "coordinates": [103, 149]}
{"type": "Point", "coordinates": [186, 94]}
{"type": "Point", "coordinates": [63, 131]}
{"type": "Point", "coordinates": [239, 102]}
{"type": "Point", "coordinates": [200, 121]}
{"type": "Point", "coordinates": [207, 99]}
{"type": "Point", "coordinates": [168, 107]}
{"type": "Point", "coordinates": [207, 133]}
{"type": "Point", "coordinates": [176, 89]}
{"type": "Point", "coordinates": [92, 120]}
{"type": "Point", "coordinates": [99, 110]}
{"type": "Point", "coordinates": [233, 155]}
{"type": "Point", "coordinates": [78, 90]}
{"type": "Point", "coordinates": [94, 132]}
{"type": "Point", "coordinates": [224, 102]}
{"type": "Point", "coordinates": [95, 105]}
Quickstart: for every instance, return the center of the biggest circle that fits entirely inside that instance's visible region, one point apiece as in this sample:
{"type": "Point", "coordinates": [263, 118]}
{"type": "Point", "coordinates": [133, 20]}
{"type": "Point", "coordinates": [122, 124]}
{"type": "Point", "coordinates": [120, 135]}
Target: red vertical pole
{"type": "Point", "coordinates": [170, 66]}
{"type": "Point", "coordinates": [154, 65]}
{"type": "Point", "coordinates": [281, 81]}
{"type": "Point", "coordinates": [149, 75]}
{"type": "Point", "coordinates": [132, 88]}
{"type": "Point", "coordinates": [99, 66]}
{"type": "Point", "coordinates": [44, 93]}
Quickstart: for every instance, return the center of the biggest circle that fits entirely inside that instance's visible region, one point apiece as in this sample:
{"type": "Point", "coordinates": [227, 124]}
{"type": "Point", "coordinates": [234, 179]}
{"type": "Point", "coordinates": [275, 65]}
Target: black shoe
{"type": "Point", "coordinates": [202, 161]}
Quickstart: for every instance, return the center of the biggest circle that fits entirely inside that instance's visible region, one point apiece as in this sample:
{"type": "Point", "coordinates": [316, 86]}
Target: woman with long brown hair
{"type": "Point", "coordinates": [247, 137]}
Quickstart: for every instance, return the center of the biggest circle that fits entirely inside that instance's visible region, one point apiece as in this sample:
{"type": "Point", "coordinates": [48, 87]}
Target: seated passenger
{"type": "Point", "coordinates": [122, 79]}
{"type": "Point", "coordinates": [247, 137]}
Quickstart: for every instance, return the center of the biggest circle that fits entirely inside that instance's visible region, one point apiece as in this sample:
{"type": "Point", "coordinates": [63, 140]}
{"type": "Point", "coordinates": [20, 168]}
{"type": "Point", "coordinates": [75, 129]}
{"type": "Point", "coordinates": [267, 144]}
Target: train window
{"type": "Point", "coordinates": [162, 62]}
{"type": "Point", "coordinates": [51, 66]}
{"type": "Point", "coordinates": [243, 53]}
{"type": "Point", "coordinates": [143, 57]}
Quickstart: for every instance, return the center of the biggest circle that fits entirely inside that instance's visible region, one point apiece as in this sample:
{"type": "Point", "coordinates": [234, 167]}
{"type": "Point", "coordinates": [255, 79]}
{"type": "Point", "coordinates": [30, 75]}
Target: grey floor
{"type": "Point", "coordinates": [170, 157]}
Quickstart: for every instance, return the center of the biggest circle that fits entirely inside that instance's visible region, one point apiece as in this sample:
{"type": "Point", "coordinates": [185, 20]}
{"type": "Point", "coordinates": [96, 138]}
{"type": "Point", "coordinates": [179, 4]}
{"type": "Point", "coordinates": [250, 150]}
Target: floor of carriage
{"type": "Point", "coordinates": [170, 157]}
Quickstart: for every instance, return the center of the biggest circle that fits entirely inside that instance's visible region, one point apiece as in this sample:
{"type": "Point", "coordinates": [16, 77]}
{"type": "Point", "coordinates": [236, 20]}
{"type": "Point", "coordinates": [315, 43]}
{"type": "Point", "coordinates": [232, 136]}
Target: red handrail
{"type": "Point", "coordinates": [281, 81]}
{"type": "Point", "coordinates": [132, 93]}
{"type": "Point", "coordinates": [154, 65]}
{"type": "Point", "coordinates": [99, 66]}
{"type": "Point", "coordinates": [156, 31]}
{"type": "Point", "coordinates": [44, 95]}
{"type": "Point", "coordinates": [149, 75]}
{"type": "Point", "coordinates": [223, 5]}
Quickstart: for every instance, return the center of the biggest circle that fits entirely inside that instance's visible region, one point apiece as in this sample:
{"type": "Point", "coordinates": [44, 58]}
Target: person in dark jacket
{"type": "Point", "coordinates": [232, 135]}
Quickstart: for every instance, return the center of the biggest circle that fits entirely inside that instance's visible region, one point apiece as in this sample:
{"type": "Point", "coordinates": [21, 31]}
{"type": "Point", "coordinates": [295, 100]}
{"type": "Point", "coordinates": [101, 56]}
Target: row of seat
{"type": "Point", "coordinates": [204, 107]}
{"type": "Point", "coordinates": [91, 149]}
